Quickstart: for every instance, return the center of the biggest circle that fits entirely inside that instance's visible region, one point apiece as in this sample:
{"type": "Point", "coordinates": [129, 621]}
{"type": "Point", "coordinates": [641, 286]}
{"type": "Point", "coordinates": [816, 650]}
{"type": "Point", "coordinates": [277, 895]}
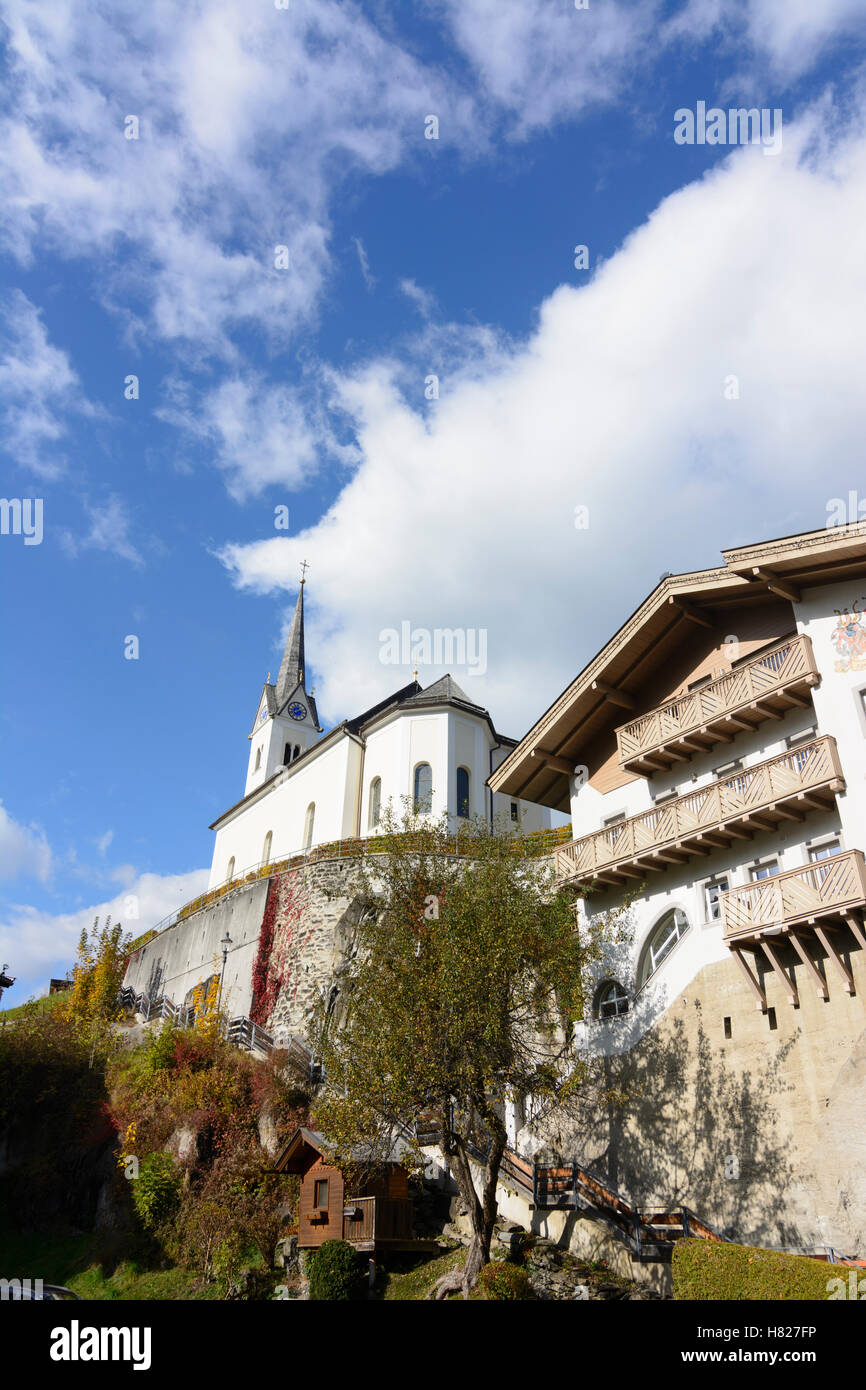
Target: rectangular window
{"type": "Point", "coordinates": [805, 736]}
{"type": "Point", "coordinates": [727, 768]}
{"type": "Point", "coordinates": [514, 810]}
{"type": "Point", "coordinates": [760, 871]}
{"type": "Point", "coordinates": [712, 891]}
{"type": "Point", "coordinates": [702, 680]}
{"type": "Point", "coordinates": [824, 851]}
{"type": "Point", "coordinates": [320, 1196]}
{"type": "Point", "coordinates": [660, 798]}
{"type": "Point", "coordinates": [614, 820]}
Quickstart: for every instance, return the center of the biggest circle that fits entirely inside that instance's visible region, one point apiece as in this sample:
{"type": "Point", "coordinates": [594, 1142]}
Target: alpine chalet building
{"type": "Point", "coordinates": [713, 760]}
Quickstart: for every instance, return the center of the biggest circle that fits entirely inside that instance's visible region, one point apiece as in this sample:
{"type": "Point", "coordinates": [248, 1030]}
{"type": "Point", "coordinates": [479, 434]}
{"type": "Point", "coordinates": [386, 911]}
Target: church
{"type": "Point", "coordinates": [432, 749]}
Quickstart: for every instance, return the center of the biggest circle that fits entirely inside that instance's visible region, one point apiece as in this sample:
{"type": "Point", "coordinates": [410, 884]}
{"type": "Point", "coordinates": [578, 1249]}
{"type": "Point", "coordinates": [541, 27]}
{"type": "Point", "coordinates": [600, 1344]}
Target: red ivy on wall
{"type": "Point", "coordinates": [284, 908]}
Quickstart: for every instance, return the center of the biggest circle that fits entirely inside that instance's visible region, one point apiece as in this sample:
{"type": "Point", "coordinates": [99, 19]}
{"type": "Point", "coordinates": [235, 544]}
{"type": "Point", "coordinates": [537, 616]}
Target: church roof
{"type": "Point", "coordinates": [445, 691]}
{"type": "Point", "coordinates": [292, 666]}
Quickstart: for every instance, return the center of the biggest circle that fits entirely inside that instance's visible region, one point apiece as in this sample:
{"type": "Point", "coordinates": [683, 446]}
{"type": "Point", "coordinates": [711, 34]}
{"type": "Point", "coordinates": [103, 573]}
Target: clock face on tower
{"type": "Point", "coordinates": [297, 711]}
{"type": "Point", "coordinates": [264, 714]}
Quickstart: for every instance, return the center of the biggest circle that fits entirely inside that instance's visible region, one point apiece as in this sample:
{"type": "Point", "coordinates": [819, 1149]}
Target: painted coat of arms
{"type": "Point", "coordinates": [849, 637]}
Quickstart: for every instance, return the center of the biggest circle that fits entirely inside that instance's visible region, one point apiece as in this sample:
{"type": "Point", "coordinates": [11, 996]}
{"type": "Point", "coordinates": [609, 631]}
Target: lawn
{"type": "Point", "coordinates": [75, 1262]}
{"type": "Point", "coordinates": [410, 1277]}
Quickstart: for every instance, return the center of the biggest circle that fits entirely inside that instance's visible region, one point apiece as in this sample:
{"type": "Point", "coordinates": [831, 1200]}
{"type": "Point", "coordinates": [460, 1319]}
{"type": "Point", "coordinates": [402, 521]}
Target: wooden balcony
{"type": "Point", "coordinates": [788, 908]}
{"type": "Point", "coordinates": [786, 787]}
{"type": "Point", "coordinates": [830, 887]}
{"type": "Point", "coordinates": [369, 1222]}
{"type": "Point", "coordinates": [763, 688]}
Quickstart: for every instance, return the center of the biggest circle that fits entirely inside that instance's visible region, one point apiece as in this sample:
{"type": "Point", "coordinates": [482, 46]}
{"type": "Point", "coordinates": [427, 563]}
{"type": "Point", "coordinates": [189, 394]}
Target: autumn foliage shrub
{"type": "Point", "coordinates": [500, 1281]}
{"type": "Point", "coordinates": [156, 1190]}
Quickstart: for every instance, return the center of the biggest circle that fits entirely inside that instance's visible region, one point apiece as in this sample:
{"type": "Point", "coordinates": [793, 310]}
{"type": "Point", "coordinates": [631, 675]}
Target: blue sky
{"type": "Point", "coordinates": [608, 388]}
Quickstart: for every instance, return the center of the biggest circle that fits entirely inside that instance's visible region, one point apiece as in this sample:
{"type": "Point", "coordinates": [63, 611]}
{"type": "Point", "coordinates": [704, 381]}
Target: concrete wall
{"type": "Point", "coordinates": [188, 953]}
{"type": "Point", "coordinates": [762, 1133]}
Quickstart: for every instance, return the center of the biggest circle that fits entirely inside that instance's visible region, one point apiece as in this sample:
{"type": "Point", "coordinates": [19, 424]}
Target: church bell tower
{"type": "Point", "coordinates": [286, 723]}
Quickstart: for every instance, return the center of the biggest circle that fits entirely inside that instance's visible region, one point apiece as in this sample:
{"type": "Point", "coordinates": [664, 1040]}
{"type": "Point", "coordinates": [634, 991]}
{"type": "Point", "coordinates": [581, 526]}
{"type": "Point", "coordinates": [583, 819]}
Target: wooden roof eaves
{"type": "Point", "coordinates": [693, 585]}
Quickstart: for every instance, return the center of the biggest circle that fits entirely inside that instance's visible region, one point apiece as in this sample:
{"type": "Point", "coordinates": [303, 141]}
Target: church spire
{"type": "Point", "coordinates": [292, 666]}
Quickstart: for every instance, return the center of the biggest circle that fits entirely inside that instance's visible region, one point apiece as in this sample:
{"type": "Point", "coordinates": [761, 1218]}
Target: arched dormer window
{"type": "Point", "coordinates": [230, 871]}
{"type": "Point", "coordinates": [463, 792]}
{"type": "Point", "coordinates": [266, 847]}
{"type": "Point", "coordinates": [258, 759]}
{"type": "Point", "coordinates": [661, 941]}
{"type": "Point", "coordinates": [423, 789]}
{"type": "Point", "coordinates": [309, 823]}
{"type": "Point", "coordinates": [611, 1000]}
{"type": "Point", "coordinates": [375, 803]}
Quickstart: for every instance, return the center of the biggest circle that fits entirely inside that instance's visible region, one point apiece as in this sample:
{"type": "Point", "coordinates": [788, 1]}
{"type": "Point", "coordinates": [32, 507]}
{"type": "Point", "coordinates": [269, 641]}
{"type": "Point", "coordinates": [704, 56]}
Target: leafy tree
{"type": "Point", "coordinates": [463, 992]}
{"type": "Point", "coordinates": [96, 979]}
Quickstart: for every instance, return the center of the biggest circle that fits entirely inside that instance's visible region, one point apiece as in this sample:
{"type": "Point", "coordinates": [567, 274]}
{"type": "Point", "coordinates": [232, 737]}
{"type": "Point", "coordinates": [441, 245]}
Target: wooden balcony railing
{"type": "Point", "coordinates": [797, 896]}
{"type": "Point", "coordinates": [763, 688]}
{"type": "Point", "coordinates": [786, 787]}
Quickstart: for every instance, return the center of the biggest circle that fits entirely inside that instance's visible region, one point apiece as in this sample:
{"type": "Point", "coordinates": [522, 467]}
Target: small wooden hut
{"type": "Point", "coordinates": [366, 1204]}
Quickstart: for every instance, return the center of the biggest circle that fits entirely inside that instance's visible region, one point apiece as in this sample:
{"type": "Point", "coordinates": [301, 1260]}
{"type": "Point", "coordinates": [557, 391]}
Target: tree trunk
{"type": "Point", "coordinates": [482, 1212]}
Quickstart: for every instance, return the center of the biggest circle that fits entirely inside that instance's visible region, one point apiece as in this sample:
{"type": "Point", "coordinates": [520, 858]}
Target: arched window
{"type": "Point", "coordinates": [287, 755]}
{"type": "Point", "coordinates": [423, 793]}
{"type": "Point", "coordinates": [230, 870]}
{"type": "Point", "coordinates": [308, 824]}
{"type": "Point", "coordinates": [258, 760]}
{"type": "Point", "coordinates": [375, 802]}
{"type": "Point", "coordinates": [462, 792]}
{"type": "Point", "coordinates": [661, 941]}
{"type": "Point", "coordinates": [297, 752]}
{"type": "Point", "coordinates": [266, 847]}
{"type": "Point", "coordinates": [611, 1000]}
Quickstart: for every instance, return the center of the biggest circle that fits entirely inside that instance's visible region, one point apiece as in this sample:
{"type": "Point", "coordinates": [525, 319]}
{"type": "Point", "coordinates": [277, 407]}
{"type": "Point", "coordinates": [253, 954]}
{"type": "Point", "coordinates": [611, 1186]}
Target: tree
{"type": "Point", "coordinates": [462, 994]}
{"type": "Point", "coordinates": [96, 979]}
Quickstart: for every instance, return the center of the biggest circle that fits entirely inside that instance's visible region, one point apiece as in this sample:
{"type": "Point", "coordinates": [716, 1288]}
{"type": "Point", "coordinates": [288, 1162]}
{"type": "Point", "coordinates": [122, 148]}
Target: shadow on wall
{"type": "Point", "coordinates": [695, 1132]}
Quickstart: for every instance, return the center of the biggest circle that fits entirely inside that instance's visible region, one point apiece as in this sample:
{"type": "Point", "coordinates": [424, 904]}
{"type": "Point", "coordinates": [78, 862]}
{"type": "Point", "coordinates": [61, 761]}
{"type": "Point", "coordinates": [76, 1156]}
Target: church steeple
{"type": "Point", "coordinates": [292, 666]}
{"type": "Point", "coordinates": [286, 724]}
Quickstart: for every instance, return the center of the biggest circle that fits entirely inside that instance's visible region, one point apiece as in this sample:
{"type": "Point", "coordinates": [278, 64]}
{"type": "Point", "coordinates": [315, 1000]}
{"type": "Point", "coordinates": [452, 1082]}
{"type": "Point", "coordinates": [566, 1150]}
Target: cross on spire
{"type": "Point", "coordinates": [304, 568]}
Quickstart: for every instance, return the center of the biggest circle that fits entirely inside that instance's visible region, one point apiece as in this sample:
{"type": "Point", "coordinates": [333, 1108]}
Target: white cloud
{"type": "Point", "coordinates": [38, 387]}
{"type": "Point", "coordinates": [256, 433]}
{"type": "Point", "coordinates": [103, 841]}
{"type": "Point", "coordinates": [364, 262]}
{"type": "Point", "coordinates": [791, 37]}
{"type": "Point", "coordinates": [545, 62]}
{"type": "Point", "coordinates": [40, 944]}
{"type": "Point", "coordinates": [24, 851]}
{"type": "Point", "coordinates": [461, 513]}
{"type": "Point", "coordinates": [107, 527]}
{"type": "Point", "coordinates": [249, 119]}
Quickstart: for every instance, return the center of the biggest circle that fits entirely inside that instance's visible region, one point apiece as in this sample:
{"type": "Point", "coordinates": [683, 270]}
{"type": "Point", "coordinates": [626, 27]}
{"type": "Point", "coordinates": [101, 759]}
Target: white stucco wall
{"type": "Point", "coordinates": [329, 779]}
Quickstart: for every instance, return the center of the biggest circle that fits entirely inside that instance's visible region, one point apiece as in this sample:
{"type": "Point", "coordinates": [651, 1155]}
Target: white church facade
{"type": "Point", "coordinates": [432, 749]}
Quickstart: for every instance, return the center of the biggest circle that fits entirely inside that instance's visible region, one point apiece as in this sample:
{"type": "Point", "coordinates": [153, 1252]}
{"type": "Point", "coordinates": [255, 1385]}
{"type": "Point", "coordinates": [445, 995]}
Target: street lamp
{"type": "Point", "coordinates": [226, 944]}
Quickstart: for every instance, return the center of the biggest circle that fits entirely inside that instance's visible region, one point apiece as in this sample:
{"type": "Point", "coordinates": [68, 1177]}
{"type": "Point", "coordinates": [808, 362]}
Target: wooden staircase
{"type": "Point", "coordinates": [649, 1234]}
